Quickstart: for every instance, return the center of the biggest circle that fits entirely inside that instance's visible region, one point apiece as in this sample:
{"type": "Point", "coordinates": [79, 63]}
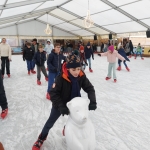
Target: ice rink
{"type": "Point", "coordinates": [122, 120]}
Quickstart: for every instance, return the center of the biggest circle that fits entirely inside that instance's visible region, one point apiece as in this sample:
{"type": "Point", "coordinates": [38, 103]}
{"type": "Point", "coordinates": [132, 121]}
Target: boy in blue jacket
{"type": "Point", "coordinates": [88, 53]}
{"type": "Point", "coordinates": [123, 54]}
{"type": "Point", "coordinates": [40, 58]}
{"type": "Point", "coordinates": [54, 66]}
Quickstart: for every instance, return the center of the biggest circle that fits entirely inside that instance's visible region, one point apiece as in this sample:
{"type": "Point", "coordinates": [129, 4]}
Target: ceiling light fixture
{"type": "Point", "coordinates": [88, 22]}
{"type": "Point", "coordinates": [48, 30]}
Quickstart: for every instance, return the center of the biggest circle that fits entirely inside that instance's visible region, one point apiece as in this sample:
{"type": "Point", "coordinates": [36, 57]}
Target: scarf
{"type": "Point", "coordinates": [75, 91]}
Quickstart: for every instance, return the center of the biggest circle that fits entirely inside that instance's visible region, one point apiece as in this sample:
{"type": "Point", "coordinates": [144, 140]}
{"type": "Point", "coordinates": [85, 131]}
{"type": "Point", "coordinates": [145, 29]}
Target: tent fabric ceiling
{"type": "Point", "coordinates": [109, 16]}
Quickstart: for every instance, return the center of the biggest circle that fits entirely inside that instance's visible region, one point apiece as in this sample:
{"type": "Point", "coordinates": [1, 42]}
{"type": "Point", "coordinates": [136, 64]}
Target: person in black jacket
{"type": "Point", "coordinates": [28, 54]}
{"type": "Point", "coordinates": [121, 51]}
{"type": "Point", "coordinates": [66, 87]}
{"type": "Point", "coordinates": [88, 53]}
{"type": "Point", "coordinates": [54, 66]}
{"type": "Point", "coordinates": [40, 58]}
{"type": "Point", "coordinates": [3, 99]}
{"type": "Point", "coordinates": [131, 48]}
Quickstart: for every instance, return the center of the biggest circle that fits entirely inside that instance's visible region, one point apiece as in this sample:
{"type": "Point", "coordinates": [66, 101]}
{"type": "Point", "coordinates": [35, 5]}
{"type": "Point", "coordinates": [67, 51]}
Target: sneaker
{"type": "Point", "coordinates": [107, 78]}
{"type": "Point", "coordinates": [38, 82]}
{"type": "Point", "coordinates": [46, 78]}
{"type": "Point", "coordinates": [119, 68]}
{"type": "Point", "coordinates": [115, 80]}
{"type": "Point", "coordinates": [8, 75]}
{"type": "Point", "coordinates": [48, 96]}
{"type": "Point", "coordinates": [4, 113]}
{"type": "Point", "coordinates": [34, 72]}
{"type": "Point", "coordinates": [63, 131]}
{"type": "Point", "coordinates": [127, 69]}
{"type": "Point", "coordinates": [90, 70]}
{"type": "Point", "coordinates": [37, 145]}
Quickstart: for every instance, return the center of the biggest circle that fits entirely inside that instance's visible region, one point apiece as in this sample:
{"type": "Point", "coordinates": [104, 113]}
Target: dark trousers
{"type": "Point", "coordinates": [3, 100]}
{"type": "Point", "coordinates": [39, 69]}
{"type": "Point", "coordinates": [131, 50]}
{"type": "Point", "coordinates": [33, 64]}
{"type": "Point", "coordinates": [119, 63]}
{"type": "Point", "coordinates": [54, 115]}
{"type": "Point", "coordinates": [5, 61]}
{"type": "Point", "coordinates": [29, 65]}
{"type": "Point", "coordinates": [51, 79]}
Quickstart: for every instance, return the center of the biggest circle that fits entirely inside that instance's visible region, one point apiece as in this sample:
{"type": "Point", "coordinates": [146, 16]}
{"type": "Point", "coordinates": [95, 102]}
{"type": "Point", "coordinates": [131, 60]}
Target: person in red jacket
{"type": "Point", "coordinates": [66, 87]}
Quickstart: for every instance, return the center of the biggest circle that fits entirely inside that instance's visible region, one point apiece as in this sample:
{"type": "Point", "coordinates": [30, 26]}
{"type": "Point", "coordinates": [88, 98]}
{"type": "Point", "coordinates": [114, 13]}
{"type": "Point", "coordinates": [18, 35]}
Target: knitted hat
{"type": "Point", "coordinates": [88, 44]}
{"type": "Point", "coordinates": [111, 48]}
{"type": "Point", "coordinates": [73, 61]}
{"type": "Point", "coordinates": [81, 48]}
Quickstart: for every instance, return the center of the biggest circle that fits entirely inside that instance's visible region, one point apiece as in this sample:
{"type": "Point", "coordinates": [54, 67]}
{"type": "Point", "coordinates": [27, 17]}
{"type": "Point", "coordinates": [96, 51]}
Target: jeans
{"type": "Point", "coordinates": [54, 115]}
{"type": "Point", "coordinates": [119, 63]}
{"type": "Point", "coordinates": [110, 67]}
{"type": "Point", "coordinates": [140, 53]}
{"type": "Point", "coordinates": [39, 69]}
{"type": "Point", "coordinates": [51, 78]}
{"type": "Point", "coordinates": [5, 61]}
{"type": "Point", "coordinates": [3, 99]}
{"type": "Point", "coordinates": [33, 64]}
{"type": "Point", "coordinates": [29, 65]}
{"type": "Point", "coordinates": [89, 60]}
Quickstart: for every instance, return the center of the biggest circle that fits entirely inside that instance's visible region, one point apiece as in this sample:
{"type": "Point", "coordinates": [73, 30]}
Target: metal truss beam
{"type": "Point", "coordinates": [79, 17]}
{"type": "Point", "coordinates": [125, 13]}
{"type": "Point", "coordinates": [59, 28]}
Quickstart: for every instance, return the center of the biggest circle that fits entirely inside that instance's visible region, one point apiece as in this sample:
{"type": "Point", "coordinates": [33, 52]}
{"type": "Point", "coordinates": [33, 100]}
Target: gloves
{"type": "Point", "coordinates": [99, 54]}
{"type": "Point", "coordinates": [63, 110]}
{"type": "Point", "coordinates": [92, 106]}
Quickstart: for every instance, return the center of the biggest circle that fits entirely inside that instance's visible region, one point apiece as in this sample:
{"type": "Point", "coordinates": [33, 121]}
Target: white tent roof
{"type": "Point", "coordinates": [109, 16]}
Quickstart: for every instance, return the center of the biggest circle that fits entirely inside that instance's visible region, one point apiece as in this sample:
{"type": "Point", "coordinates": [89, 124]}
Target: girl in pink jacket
{"type": "Point", "coordinates": [112, 55]}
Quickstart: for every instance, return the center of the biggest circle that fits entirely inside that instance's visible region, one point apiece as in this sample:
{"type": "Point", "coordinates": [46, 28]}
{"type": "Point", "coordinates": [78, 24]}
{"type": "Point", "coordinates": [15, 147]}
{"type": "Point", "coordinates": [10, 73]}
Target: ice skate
{"type": "Point", "coordinates": [115, 80]}
{"type": "Point", "coordinates": [32, 71]}
{"type": "Point", "coordinates": [127, 69]}
{"type": "Point", "coordinates": [119, 68]}
{"type": "Point", "coordinates": [38, 82]}
{"type": "Point", "coordinates": [8, 75]}
{"type": "Point", "coordinates": [46, 78]}
{"type": "Point", "coordinates": [48, 96]}
{"type": "Point", "coordinates": [4, 113]}
{"type": "Point", "coordinates": [107, 78]}
{"type": "Point", "coordinates": [28, 72]}
{"type": "Point", "coordinates": [90, 70]}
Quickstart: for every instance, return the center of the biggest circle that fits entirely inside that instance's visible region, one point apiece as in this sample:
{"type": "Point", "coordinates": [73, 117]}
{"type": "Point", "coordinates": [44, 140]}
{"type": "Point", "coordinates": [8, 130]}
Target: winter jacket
{"type": "Point", "coordinates": [61, 91]}
{"type": "Point", "coordinates": [28, 54]}
{"type": "Point", "coordinates": [88, 52]}
{"type": "Point", "coordinates": [111, 57]}
{"type": "Point", "coordinates": [54, 62]}
{"type": "Point", "coordinates": [49, 48]}
{"type": "Point", "coordinates": [33, 47]}
{"type": "Point", "coordinates": [123, 54]}
{"type": "Point", "coordinates": [5, 50]}
{"type": "Point", "coordinates": [40, 58]}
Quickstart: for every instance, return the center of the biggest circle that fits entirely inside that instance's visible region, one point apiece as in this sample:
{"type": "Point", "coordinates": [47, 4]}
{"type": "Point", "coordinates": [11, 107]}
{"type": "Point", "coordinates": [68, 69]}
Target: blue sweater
{"type": "Point", "coordinates": [54, 62]}
{"type": "Point", "coordinates": [40, 58]}
{"type": "Point", "coordinates": [123, 54]}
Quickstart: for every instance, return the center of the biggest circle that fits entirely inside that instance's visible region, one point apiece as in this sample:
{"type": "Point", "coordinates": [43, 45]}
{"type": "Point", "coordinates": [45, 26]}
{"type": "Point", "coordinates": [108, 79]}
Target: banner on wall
{"type": "Point", "coordinates": [147, 50]}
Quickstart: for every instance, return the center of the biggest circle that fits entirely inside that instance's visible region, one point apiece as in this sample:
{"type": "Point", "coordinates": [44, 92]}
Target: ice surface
{"type": "Point", "coordinates": [122, 120]}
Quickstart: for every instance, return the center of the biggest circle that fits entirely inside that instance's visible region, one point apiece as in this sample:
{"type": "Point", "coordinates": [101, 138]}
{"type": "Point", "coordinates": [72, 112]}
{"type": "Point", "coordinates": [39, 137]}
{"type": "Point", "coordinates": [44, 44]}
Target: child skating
{"type": "Point", "coordinates": [139, 51]}
{"type": "Point", "coordinates": [82, 58]}
{"type": "Point", "coordinates": [67, 86]}
{"type": "Point", "coordinates": [123, 54]}
{"type": "Point", "coordinates": [28, 54]}
{"type": "Point", "coordinates": [40, 58]}
{"type": "Point", "coordinates": [111, 58]}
